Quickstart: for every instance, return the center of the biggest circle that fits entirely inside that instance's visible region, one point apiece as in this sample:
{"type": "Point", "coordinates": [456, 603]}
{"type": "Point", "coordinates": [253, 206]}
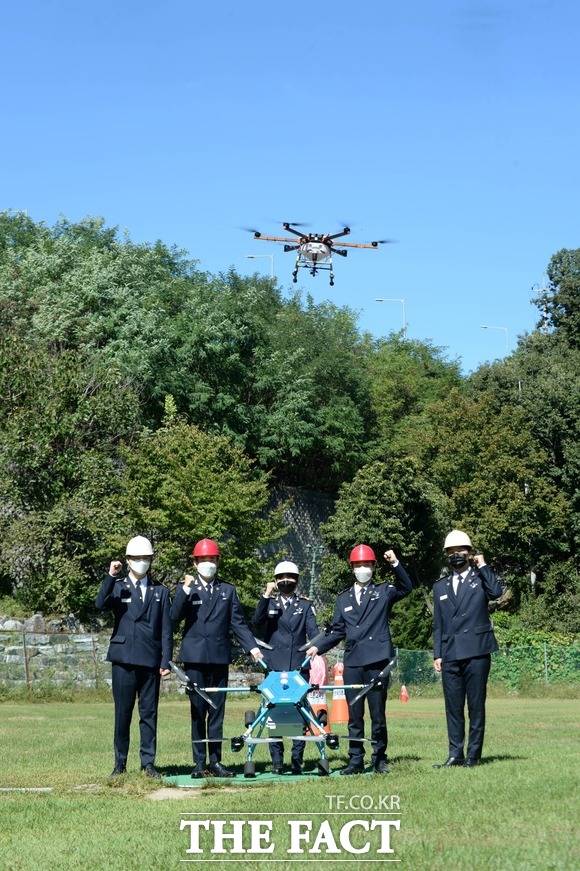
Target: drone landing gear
{"type": "Point", "coordinates": [249, 769]}
{"type": "Point", "coordinates": [323, 767]}
{"type": "Point", "coordinates": [314, 266]}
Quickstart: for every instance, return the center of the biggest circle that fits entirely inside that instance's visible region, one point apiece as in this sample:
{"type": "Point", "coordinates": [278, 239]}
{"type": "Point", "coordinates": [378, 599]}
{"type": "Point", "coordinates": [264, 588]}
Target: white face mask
{"type": "Point", "coordinates": [207, 570]}
{"type": "Point", "coordinates": [139, 567]}
{"type": "Point", "coordinates": [363, 574]}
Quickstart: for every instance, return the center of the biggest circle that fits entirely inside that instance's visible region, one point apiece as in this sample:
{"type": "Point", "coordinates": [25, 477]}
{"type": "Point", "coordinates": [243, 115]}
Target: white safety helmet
{"type": "Point", "coordinates": [457, 538]}
{"type": "Point", "coordinates": [139, 546]}
{"type": "Point", "coordinates": [286, 568]}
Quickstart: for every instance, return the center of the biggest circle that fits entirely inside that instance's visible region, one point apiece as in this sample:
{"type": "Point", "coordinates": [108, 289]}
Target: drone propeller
{"type": "Point", "coordinates": [263, 644]}
{"type": "Point", "coordinates": [314, 642]}
{"type": "Point", "coordinates": [384, 242]}
{"type": "Point", "coordinates": [250, 230]}
{"type": "Point", "coordinates": [379, 679]}
{"type": "Point", "coordinates": [294, 224]}
{"type": "Point", "coordinates": [189, 685]}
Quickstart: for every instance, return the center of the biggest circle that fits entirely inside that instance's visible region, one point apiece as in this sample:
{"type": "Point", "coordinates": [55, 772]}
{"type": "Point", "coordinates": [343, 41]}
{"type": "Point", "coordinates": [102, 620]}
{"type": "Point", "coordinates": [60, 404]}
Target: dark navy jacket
{"type": "Point", "coordinates": [285, 629]}
{"type": "Point", "coordinates": [208, 620]}
{"type": "Point", "coordinates": [143, 632]}
{"type": "Point", "coordinates": [366, 626]}
{"type": "Point", "coordinates": [461, 624]}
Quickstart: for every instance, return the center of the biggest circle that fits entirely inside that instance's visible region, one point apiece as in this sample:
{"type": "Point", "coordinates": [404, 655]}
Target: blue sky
{"type": "Point", "coordinates": [453, 127]}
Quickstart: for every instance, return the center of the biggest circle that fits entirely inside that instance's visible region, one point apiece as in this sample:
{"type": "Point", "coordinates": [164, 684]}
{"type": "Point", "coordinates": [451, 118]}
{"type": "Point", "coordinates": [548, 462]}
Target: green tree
{"type": "Point", "coordinates": [178, 485]}
{"type": "Point", "coordinates": [60, 426]}
{"type": "Point", "coordinates": [284, 380]}
{"type": "Point", "coordinates": [559, 303]}
{"type": "Point", "coordinates": [406, 377]}
{"type": "Point", "coordinates": [493, 472]}
{"type": "Point", "coordinates": [389, 505]}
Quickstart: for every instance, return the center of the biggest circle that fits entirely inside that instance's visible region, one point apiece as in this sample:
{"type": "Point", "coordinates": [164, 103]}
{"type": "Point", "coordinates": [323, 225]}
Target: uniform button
{"type": "Point", "coordinates": [370, 637]}
{"type": "Point", "coordinates": [466, 630]}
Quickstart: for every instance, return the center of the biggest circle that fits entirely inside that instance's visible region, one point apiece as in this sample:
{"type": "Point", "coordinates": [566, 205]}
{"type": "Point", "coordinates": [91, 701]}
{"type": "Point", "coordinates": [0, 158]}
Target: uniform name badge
{"type": "Point", "coordinates": [443, 597]}
{"type": "Point", "coordinates": [348, 608]}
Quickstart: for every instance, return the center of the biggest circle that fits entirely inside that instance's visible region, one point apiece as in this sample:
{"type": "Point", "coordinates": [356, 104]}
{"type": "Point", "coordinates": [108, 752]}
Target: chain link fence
{"type": "Point", "coordinates": [78, 661]}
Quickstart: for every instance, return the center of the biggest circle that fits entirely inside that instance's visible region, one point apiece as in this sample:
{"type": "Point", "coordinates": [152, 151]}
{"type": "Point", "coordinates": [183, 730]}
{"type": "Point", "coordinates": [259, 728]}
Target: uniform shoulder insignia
{"type": "Point", "coordinates": [305, 598]}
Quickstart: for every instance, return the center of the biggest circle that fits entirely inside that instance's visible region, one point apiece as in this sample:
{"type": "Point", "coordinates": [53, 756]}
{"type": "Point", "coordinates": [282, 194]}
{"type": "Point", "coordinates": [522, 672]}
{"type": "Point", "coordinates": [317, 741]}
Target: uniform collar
{"type": "Point", "coordinates": [462, 576]}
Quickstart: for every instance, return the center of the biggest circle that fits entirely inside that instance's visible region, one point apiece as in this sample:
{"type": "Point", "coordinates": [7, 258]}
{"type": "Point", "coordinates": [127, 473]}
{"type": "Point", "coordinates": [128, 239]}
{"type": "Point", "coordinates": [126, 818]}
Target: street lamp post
{"type": "Point", "coordinates": [258, 256]}
{"type": "Point", "coordinates": [503, 330]}
{"type": "Point", "coordinates": [402, 301]}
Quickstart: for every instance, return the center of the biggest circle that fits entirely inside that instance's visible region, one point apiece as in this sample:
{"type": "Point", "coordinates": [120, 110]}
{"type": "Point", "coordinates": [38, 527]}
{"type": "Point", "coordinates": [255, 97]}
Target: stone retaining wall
{"type": "Point", "coordinates": [71, 661]}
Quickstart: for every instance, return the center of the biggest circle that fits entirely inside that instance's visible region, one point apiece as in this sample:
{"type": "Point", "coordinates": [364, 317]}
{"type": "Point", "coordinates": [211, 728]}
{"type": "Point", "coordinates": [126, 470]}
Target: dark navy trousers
{"type": "Point", "coordinates": [131, 682]}
{"type": "Point", "coordinates": [465, 678]}
{"type": "Point", "coordinates": [205, 721]}
{"type": "Point", "coordinates": [377, 700]}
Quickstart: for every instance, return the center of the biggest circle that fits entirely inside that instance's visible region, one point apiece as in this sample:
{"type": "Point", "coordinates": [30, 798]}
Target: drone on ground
{"type": "Point", "coordinates": [315, 250]}
{"type": "Point", "coordinates": [285, 710]}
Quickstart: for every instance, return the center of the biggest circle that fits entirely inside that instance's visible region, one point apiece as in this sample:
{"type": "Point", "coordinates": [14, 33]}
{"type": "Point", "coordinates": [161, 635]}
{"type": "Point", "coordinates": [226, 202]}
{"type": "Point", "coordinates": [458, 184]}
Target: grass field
{"type": "Point", "coordinates": [519, 810]}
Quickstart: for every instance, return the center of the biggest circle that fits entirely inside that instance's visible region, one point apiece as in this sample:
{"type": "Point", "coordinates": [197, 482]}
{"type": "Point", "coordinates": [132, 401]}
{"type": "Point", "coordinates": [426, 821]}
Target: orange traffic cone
{"type": "Point", "coordinates": [339, 709]}
{"type": "Point", "coordinates": [404, 694]}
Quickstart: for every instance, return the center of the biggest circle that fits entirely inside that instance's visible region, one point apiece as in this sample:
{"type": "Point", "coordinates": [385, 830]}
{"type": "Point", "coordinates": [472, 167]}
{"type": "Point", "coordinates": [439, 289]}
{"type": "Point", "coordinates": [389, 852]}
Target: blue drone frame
{"type": "Point", "coordinates": [285, 710]}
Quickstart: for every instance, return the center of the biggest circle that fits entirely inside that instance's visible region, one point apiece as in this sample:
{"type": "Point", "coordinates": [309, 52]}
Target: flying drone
{"type": "Point", "coordinates": [315, 250]}
{"type": "Point", "coordinates": [285, 710]}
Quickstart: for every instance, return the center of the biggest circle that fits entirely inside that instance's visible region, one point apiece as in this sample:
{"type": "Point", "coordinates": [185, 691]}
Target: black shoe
{"type": "Point", "coordinates": [471, 762]}
{"type": "Point", "coordinates": [381, 767]}
{"type": "Point", "coordinates": [451, 761]}
{"type": "Point", "coordinates": [198, 770]}
{"type": "Point", "coordinates": [296, 767]}
{"type": "Point", "coordinates": [278, 768]}
{"type": "Point", "coordinates": [118, 770]}
{"type": "Point", "coordinates": [352, 768]}
{"type": "Point", "coordinates": [150, 771]}
{"type": "Point", "coordinates": [218, 770]}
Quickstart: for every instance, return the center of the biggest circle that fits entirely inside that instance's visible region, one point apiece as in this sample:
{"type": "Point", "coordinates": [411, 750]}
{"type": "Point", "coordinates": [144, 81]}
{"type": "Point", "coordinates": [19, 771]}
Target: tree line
{"type": "Point", "coordinates": [142, 394]}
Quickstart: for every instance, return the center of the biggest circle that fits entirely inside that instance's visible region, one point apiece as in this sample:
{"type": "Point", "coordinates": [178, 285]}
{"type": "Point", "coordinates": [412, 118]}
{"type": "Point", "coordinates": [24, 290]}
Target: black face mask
{"type": "Point", "coordinates": [457, 560]}
{"type": "Point", "coordinates": [286, 587]}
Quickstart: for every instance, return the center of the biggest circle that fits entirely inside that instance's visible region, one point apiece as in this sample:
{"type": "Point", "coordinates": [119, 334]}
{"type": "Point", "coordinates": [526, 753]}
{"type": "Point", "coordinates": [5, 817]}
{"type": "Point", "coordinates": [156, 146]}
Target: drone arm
{"type": "Point", "coordinates": [344, 232]}
{"type": "Point", "coordinates": [228, 689]}
{"type": "Point", "coordinates": [359, 244]}
{"type": "Point", "coordinates": [339, 251]}
{"type": "Point", "coordinates": [264, 238]}
{"type": "Point", "coordinates": [291, 229]}
{"type": "Point", "coordinates": [348, 686]}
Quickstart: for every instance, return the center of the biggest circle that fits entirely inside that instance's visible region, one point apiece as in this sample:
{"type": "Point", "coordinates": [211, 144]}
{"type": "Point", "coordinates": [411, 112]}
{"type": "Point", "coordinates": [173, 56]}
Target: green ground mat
{"type": "Point", "coordinates": [184, 781]}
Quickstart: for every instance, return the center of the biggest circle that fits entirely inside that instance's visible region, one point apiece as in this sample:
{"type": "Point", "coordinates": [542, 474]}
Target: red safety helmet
{"type": "Point", "coordinates": [362, 553]}
{"type": "Point", "coordinates": [206, 547]}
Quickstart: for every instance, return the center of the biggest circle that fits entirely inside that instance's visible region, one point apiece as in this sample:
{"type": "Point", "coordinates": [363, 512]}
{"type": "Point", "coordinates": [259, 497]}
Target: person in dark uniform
{"type": "Point", "coordinates": [285, 620]}
{"type": "Point", "coordinates": [361, 617]}
{"type": "Point", "coordinates": [463, 642]}
{"type": "Point", "coordinates": [140, 649]}
{"type": "Point", "coordinates": [210, 608]}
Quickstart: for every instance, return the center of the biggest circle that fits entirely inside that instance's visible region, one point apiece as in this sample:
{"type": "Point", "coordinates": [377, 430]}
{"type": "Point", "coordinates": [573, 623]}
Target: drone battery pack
{"type": "Point", "coordinates": [284, 720]}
